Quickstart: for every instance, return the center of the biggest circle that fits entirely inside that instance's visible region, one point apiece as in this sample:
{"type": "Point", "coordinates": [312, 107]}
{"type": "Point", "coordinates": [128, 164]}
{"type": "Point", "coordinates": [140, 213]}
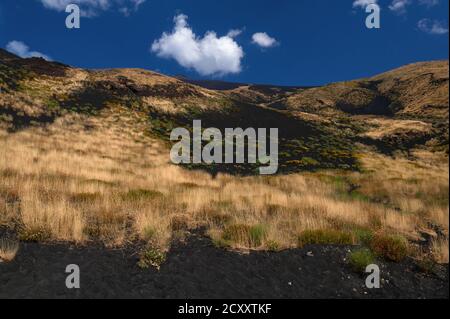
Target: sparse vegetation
{"type": "Point", "coordinates": [151, 257]}
{"type": "Point", "coordinates": [34, 234]}
{"type": "Point", "coordinates": [325, 237]}
{"type": "Point", "coordinates": [361, 258]}
{"type": "Point", "coordinates": [98, 170]}
{"type": "Point", "coordinates": [393, 248]}
{"type": "Point", "coordinates": [440, 250]}
{"type": "Point", "coordinates": [364, 236]}
{"type": "Point", "coordinates": [244, 235]}
{"type": "Point", "coordinates": [272, 245]}
{"type": "Point", "coordinates": [8, 249]}
{"type": "Point", "coordinates": [128, 183]}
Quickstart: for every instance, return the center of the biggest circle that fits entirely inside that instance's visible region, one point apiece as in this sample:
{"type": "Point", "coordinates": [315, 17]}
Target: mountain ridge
{"type": "Point", "coordinates": [410, 103]}
{"type": "Point", "coordinates": [389, 93]}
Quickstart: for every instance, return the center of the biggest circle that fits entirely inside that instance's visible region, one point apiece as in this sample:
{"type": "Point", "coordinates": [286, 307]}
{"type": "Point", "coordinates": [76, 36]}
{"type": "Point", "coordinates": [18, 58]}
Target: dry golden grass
{"type": "Point", "coordinates": [101, 178]}
{"type": "Point", "coordinates": [440, 251]}
{"type": "Point", "coordinates": [8, 249]}
{"type": "Point", "coordinates": [383, 127]}
{"type": "Point", "coordinates": [400, 86]}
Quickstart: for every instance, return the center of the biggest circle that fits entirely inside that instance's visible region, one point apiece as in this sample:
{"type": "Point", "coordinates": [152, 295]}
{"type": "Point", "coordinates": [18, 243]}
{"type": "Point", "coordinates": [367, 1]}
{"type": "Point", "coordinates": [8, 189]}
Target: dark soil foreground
{"type": "Point", "coordinates": [197, 269]}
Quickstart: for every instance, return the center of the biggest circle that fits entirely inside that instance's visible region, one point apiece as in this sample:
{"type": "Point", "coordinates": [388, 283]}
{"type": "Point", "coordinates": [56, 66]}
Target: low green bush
{"type": "Point", "coordinates": [151, 257]}
{"type": "Point", "coordinates": [361, 258]}
{"type": "Point", "coordinates": [364, 236]}
{"type": "Point", "coordinates": [325, 237]}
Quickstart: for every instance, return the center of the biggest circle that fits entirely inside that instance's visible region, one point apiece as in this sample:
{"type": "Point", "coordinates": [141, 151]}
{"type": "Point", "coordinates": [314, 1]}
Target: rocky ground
{"type": "Point", "coordinates": [197, 269]}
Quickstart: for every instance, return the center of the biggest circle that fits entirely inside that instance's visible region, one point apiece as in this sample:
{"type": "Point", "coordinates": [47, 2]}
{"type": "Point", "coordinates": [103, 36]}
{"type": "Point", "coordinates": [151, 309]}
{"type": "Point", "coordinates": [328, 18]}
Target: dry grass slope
{"type": "Point", "coordinates": [394, 92]}
{"type": "Point", "coordinates": [93, 173]}
{"type": "Point", "coordinates": [100, 178]}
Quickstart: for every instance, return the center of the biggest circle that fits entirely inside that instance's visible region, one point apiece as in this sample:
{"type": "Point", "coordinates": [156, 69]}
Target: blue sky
{"type": "Point", "coordinates": [286, 42]}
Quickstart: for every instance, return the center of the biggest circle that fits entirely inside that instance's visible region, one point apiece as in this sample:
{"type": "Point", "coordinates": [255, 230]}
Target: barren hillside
{"type": "Point", "coordinates": [84, 158]}
{"type": "Point", "coordinates": [418, 90]}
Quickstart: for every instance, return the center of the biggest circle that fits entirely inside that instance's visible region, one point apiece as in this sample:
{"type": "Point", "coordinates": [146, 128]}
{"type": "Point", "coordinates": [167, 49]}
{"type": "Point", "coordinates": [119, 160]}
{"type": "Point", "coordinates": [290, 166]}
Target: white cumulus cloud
{"type": "Point", "coordinates": [432, 26]}
{"type": "Point", "coordinates": [93, 7]}
{"type": "Point", "coordinates": [21, 49]}
{"type": "Point", "coordinates": [234, 33]}
{"type": "Point", "coordinates": [264, 40]}
{"type": "Point", "coordinates": [399, 6]}
{"type": "Point", "coordinates": [363, 3]}
{"type": "Point", "coordinates": [208, 55]}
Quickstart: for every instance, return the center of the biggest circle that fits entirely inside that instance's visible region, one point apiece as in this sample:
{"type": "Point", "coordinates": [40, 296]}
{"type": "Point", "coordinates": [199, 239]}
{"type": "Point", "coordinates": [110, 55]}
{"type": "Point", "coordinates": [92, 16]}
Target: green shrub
{"type": "Point", "coordinates": [364, 236]}
{"type": "Point", "coordinates": [221, 243]}
{"type": "Point", "coordinates": [393, 248]}
{"type": "Point", "coordinates": [361, 258]}
{"type": "Point", "coordinates": [257, 235]}
{"type": "Point", "coordinates": [325, 237]}
{"type": "Point", "coordinates": [151, 257]}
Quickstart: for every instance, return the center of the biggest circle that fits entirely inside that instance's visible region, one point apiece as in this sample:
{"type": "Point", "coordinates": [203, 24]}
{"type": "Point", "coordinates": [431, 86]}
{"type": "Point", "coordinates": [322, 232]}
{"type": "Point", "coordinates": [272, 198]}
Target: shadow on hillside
{"type": "Point", "coordinates": [303, 146]}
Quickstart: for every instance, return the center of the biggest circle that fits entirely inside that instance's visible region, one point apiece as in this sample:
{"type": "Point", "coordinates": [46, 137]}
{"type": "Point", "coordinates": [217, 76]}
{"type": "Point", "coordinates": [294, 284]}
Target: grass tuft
{"type": "Point", "coordinates": [247, 236]}
{"type": "Point", "coordinates": [364, 236]}
{"type": "Point", "coordinates": [8, 249]}
{"type": "Point", "coordinates": [392, 248]}
{"type": "Point", "coordinates": [35, 234]}
{"type": "Point", "coordinates": [272, 245]}
{"type": "Point", "coordinates": [325, 237]}
{"type": "Point", "coordinates": [361, 258]}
